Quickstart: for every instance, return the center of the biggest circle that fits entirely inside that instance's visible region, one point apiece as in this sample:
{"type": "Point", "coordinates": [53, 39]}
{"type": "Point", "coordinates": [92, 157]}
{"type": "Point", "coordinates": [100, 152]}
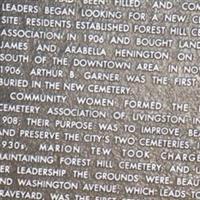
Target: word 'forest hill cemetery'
{"type": "Point", "coordinates": [100, 100]}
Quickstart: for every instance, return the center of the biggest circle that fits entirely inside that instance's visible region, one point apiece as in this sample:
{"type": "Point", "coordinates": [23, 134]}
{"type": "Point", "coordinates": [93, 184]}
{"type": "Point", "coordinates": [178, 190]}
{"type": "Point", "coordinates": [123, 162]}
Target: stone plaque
{"type": "Point", "coordinates": [99, 99]}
